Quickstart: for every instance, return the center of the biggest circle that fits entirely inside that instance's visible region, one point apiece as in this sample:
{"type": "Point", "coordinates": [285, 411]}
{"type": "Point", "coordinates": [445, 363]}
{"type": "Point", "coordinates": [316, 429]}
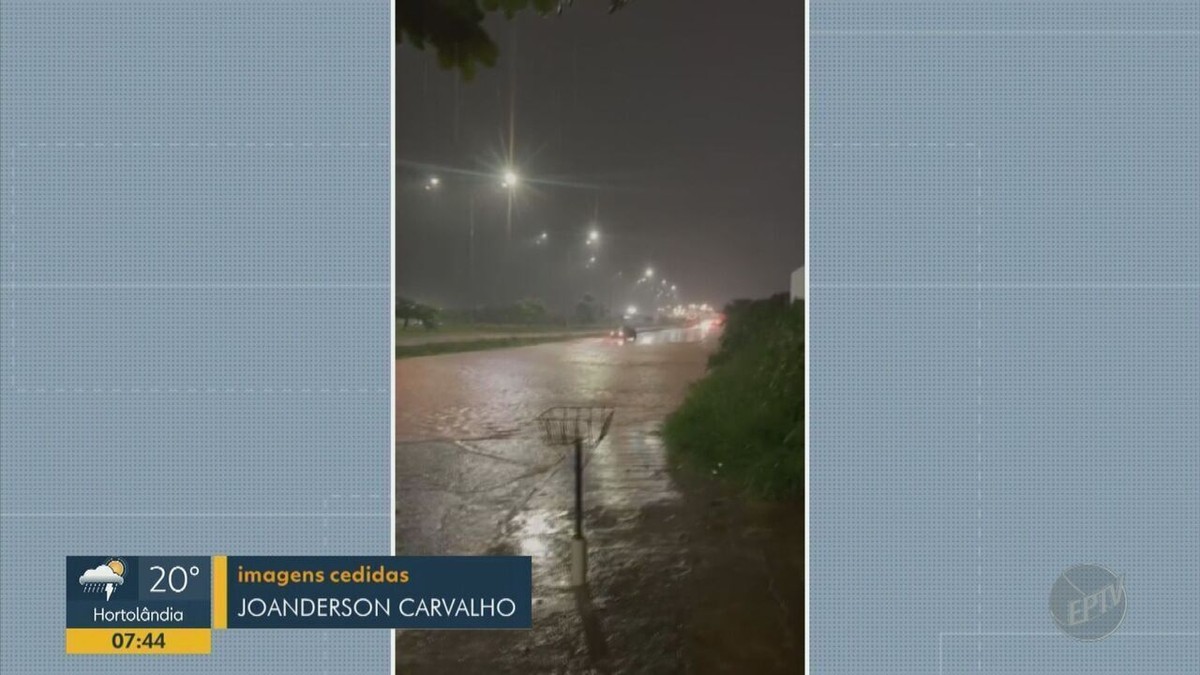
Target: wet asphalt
{"type": "Point", "coordinates": [685, 576]}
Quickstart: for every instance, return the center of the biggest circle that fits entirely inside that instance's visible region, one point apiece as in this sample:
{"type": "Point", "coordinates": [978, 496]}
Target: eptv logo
{"type": "Point", "coordinates": [1088, 602]}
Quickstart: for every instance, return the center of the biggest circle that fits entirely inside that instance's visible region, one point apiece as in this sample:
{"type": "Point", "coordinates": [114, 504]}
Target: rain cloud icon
{"type": "Point", "coordinates": [104, 577]}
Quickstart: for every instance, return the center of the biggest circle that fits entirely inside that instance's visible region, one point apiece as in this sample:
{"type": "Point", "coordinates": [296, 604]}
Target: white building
{"type": "Point", "coordinates": [798, 284]}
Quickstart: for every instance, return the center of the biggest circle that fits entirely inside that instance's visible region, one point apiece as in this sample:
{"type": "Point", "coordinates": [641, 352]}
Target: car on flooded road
{"type": "Point", "coordinates": [623, 334]}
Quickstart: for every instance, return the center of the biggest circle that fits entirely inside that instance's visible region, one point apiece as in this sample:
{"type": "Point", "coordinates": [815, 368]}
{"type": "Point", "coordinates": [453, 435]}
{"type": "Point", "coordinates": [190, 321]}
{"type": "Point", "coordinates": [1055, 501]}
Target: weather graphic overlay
{"type": "Point", "coordinates": [104, 577]}
{"type": "Point", "coordinates": [138, 605]}
{"type": "Point", "coordinates": [172, 604]}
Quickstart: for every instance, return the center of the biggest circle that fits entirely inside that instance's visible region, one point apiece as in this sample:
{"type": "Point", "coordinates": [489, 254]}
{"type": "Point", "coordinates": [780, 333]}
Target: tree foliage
{"type": "Point", "coordinates": [531, 310]}
{"type": "Point", "coordinates": [745, 420]}
{"type": "Point", "coordinates": [525, 312]}
{"type": "Point", "coordinates": [409, 310]}
{"type": "Point", "coordinates": [588, 310]}
{"type": "Point", "coordinates": [454, 28]}
{"type": "Point", "coordinates": [746, 321]}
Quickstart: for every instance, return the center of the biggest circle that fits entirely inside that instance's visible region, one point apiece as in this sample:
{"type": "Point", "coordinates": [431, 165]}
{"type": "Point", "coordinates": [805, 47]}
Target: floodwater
{"type": "Point", "coordinates": [684, 575]}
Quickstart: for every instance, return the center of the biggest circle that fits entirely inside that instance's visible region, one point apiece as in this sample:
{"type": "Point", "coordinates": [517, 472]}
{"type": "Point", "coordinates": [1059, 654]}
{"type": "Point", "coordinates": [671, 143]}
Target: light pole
{"type": "Point", "coordinates": [547, 265]}
{"type": "Point", "coordinates": [471, 254]}
{"type": "Point", "coordinates": [612, 291]}
{"type": "Point", "coordinates": [592, 242]}
{"type": "Point", "coordinates": [508, 180]}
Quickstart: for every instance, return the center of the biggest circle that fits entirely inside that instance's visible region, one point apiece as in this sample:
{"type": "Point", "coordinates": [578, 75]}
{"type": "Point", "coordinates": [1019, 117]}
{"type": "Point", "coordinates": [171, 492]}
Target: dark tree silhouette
{"type": "Point", "coordinates": [408, 310]}
{"type": "Point", "coordinates": [454, 28]}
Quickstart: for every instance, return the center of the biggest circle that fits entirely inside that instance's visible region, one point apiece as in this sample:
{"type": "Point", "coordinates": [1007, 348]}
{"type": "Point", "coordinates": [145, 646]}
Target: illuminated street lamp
{"type": "Point", "coordinates": [593, 236]}
{"type": "Point", "coordinates": [510, 179]}
{"type": "Point", "coordinates": [649, 273]}
{"type": "Point", "coordinates": [433, 183]}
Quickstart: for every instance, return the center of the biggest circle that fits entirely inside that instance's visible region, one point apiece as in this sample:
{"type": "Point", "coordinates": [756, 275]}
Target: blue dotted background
{"type": "Point", "coordinates": [194, 304]}
{"type": "Point", "coordinates": [1005, 332]}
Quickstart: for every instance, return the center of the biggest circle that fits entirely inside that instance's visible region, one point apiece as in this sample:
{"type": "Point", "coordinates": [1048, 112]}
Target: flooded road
{"type": "Point", "coordinates": [683, 576]}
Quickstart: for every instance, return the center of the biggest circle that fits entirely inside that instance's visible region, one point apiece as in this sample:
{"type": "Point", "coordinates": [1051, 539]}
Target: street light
{"type": "Point", "coordinates": [593, 236]}
{"type": "Point", "coordinates": [433, 183]}
{"type": "Point", "coordinates": [649, 272]}
{"type": "Point", "coordinates": [510, 179]}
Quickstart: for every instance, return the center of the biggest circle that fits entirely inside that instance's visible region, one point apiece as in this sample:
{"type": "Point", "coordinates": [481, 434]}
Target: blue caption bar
{"type": "Point", "coordinates": [489, 592]}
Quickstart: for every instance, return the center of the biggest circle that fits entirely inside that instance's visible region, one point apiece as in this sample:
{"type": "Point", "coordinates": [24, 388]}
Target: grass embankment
{"type": "Point", "coordinates": [488, 328]}
{"type": "Point", "coordinates": [432, 348]}
{"type": "Point", "coordinates": [745, 420]}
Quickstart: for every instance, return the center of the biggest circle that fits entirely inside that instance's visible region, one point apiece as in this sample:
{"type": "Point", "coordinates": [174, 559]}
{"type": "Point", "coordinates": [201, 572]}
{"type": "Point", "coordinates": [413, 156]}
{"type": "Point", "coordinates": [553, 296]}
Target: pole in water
{"type": "Point", "coordinates": [578, 543]}
{"type": "Point", "coordinates": [578, 488]}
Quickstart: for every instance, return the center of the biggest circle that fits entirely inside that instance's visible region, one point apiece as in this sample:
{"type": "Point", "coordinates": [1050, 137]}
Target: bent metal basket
{"type": "Point", "coordinates": [577, 426]}
{"type": "Point", "coordinates": [564, 425]}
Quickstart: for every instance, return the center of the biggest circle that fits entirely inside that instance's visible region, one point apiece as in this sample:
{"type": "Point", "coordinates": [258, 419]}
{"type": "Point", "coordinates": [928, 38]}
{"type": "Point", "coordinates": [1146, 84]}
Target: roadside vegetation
{"type": "Point", "coordinates": [424, 330]}
{"type": "Point", "coordinates": [454, 346]}
{"type": "Point", "coordinates": [414, 314]}
{"type": "Point", "coordinates": [744, 422]}
{"type": "Point", "coordinates": [528, 312]}
{"type": "Point", "coordinates": [524, 316]}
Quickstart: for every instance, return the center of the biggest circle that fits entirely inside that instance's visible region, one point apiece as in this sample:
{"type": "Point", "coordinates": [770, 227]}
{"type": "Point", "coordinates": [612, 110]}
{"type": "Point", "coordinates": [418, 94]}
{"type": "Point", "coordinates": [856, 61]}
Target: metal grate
{"type": "Point", "coordinates": [563, 425]}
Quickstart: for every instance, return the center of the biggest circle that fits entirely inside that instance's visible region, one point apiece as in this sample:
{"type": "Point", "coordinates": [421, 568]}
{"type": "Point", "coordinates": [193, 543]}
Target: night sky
{"type": "Point", "coordinates": [679, 122]}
